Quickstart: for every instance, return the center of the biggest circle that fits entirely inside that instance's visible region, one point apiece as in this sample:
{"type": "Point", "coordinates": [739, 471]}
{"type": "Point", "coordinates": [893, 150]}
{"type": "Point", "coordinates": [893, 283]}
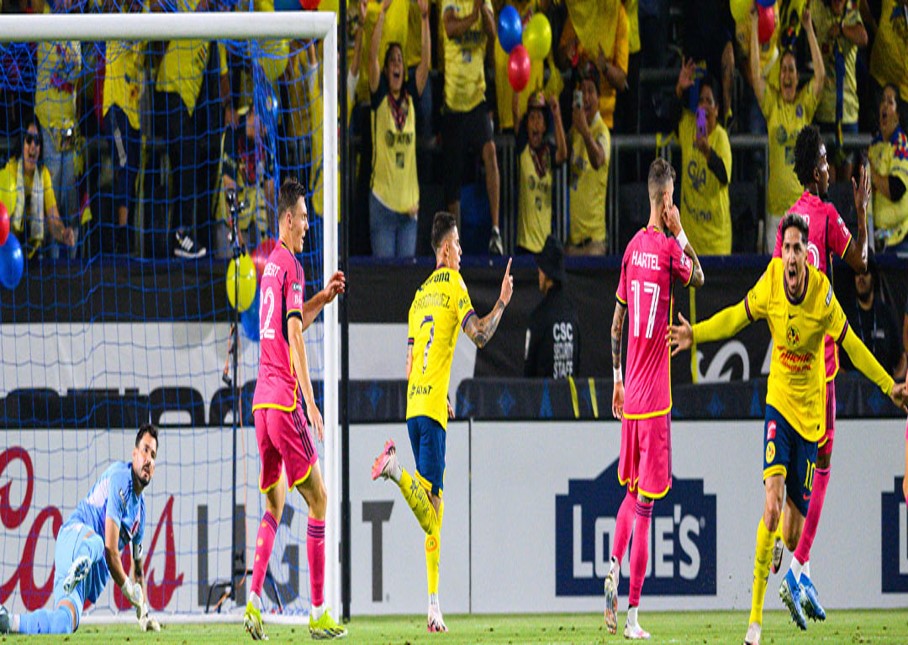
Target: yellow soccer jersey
{"type": "Point", "coordinates": [891, 158]}
{"type": "Point", "coordinates": [588, 186]}
{"type": "Point", "coordinates": [783, 123]}
{"type": "Point", "coordinates": [465, 79]}
{"type": "Point", "coordinates": [439, 310]}
{"type": "Point", "coordinates": [59, 68]}
{"type": "Point", "coordinates": [823, 22]}
{"type": "Point", "coordinates": [123, 78]}
{"type": "Point", "coordinates": [705, 211]}
{"type": "Point", "coordinates": [9, 195]}
{"type": "Point", "coordinates": [889, 55]}
{"type": "Point", "coordinates": [534, 202]}
{"type": "Point", "coordinates": [797, 373]}
{"type": "Point", "coordinates": [394, 177]}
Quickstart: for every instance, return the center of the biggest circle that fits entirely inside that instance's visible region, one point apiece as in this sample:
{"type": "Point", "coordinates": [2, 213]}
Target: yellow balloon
{"type": "Point", "coordinates": [246, 279]}
{"type": "Point", "coordinates": [537, 37]}
{"type": "Point", "coordinates": [275, 54]}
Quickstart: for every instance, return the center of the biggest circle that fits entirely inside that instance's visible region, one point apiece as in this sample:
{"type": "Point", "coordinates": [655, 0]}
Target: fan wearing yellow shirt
{"type": "Point", "coordinates": [440, 309]}
{"type": "Point", "coordinates": [889, 58]}
{"type": "Point", "coordinates": [787, 110]}
{"type": "Point", "coordinates": [706, 167]}
{"type": "Point", "coordinates": [888, 156]}
{"type": "Point", "coordinates": [798, 304]}
{"type": "Point", "coordinates": [467, 125]}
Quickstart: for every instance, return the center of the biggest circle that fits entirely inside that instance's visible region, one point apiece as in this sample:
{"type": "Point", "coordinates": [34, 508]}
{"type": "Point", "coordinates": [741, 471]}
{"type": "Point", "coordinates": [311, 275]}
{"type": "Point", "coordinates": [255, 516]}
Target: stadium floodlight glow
{"type": "Point", "coordinates": [214, 26]}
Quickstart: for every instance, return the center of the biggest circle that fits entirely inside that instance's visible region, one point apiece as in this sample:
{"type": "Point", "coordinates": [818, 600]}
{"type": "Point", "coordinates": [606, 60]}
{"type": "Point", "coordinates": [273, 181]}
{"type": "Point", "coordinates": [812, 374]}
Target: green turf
{"type": "Point", "coordinates": [678, 627]}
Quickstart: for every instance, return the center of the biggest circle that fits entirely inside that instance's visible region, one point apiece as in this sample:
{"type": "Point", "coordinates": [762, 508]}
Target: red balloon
{"type": "Point", "coordinates": [260, 256]}
{"type": "Point", "coordinates": [310, 5]}
{"type": "Point", "coordinates": [766, 23]}
{"type": "Point", "coordinates": [519, 68]}
{"type": "Point", "coordinates": [4, 224]}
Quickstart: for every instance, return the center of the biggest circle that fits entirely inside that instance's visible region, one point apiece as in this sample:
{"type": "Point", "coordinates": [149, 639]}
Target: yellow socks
{"type": "Point", "coordinates": [762, 557]}
{"type": "Point", "coordinates": [433, 553]}
{"type": "Point", "coordinates": [418, 501]}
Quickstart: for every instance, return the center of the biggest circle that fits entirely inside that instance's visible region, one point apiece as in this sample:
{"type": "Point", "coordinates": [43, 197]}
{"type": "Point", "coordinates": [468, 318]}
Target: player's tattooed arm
{"type": "Point", "coordinates": [481, 330]}
{"type": "Point", "coordinates": [617, 332]}
{"type": "Point", "coordinates": [697, 278]}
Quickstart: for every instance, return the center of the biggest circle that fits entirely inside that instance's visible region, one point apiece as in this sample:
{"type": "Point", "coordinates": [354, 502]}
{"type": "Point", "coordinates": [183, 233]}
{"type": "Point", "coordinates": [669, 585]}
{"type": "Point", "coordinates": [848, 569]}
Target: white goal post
{"type": "Point", "coordinates": [244, 26]}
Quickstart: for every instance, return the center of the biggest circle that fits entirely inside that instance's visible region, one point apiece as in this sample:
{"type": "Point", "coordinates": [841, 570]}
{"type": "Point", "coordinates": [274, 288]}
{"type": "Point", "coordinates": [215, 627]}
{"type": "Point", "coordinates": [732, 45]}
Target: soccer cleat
{"type": "Point", "coordinates": [5, 627]}
{"type": "Point", "coordinates": [186, 247]}
{"type": "Point", "coordinates": [78, 571]}
{"type": "Point", "coordinates": [252, 620]}
{"type": "Point", "coordinates": [778, 550]}
{"type": "Point", "coordinates": [325, 629]}
{"type": "Point", "coordinates": [810, 600]}
{"type": "Point", "coordinates": [611, 603]}
{"type": "Point", "coordinates": [753, 634]}
{"type": "Point", "coordinates": [635, 632]}
{"type": "Point", "coordinates": [496, 247]}
{"type": "Point", "coordinates": [386, 462]}
{"type": "Point", "coordinates": [435, 623]}
{"type": "Point", "coordinates": [790, 592]}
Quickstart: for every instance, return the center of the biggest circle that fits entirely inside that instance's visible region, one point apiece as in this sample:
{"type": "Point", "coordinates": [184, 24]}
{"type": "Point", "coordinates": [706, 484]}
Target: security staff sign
{"type": "Point", "coordinates": [682, 554]}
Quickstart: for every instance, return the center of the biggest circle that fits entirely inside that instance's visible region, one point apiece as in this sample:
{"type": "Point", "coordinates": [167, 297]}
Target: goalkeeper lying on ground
{"type": "Point", "coordinates": [83, 560]}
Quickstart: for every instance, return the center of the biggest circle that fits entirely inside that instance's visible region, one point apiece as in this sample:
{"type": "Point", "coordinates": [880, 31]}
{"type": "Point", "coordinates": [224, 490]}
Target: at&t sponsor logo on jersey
{"type": "Point", "coordinates": [682, 555]}
{"type": "Point", "coordinates": [894, 540]}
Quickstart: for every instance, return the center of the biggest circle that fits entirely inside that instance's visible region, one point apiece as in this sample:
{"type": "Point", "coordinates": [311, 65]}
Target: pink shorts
{"type": "Point", "coordinates": [284, 440]}
{"type": "Point", "coordinates": [645, 463]}
{"type": "Point", "coordinates": [824, 446]}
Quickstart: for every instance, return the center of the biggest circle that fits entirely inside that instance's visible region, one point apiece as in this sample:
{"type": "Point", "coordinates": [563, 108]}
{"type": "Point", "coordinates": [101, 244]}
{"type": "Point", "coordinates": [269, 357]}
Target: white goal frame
{"type": "Point", "coordinates": [245, 26]}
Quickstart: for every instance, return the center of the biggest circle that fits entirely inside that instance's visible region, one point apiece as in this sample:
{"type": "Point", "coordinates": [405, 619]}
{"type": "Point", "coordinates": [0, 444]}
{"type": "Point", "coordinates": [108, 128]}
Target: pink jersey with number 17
{"type": "Point", "coordinates": [827, 233]}
{"type": "Point", "coordinates": [283, 284]}
{"type": "Point", "coordinates": [651, 261]}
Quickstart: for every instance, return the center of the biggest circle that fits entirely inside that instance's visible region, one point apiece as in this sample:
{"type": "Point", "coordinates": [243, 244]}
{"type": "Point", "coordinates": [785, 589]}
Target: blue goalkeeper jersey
{"type": "Point", "coordinates": [112, 496]}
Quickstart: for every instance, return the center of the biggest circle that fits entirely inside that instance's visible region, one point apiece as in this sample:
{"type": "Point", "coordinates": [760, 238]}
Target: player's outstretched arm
{"type": "Point", "coordinates": [618, 382]}
{"type": "Point", "coordinates": [133, 592]}
{"type": "Point", "coordinates": [481, 331]}
{"type": "Point", "coordinates": [856, 254]}
{"type": "Point", "coordinates": [313, 307]}
{"type": "Point", "coordinates": [862, 359]}
{"type": "Point", "coordinates": [146, 622]}
{"type": "Point", "coordinates": [680, 336]}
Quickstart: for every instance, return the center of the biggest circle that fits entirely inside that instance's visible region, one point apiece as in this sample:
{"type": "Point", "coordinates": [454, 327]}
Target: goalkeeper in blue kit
{"type": "Point", "coordinates": [87, 552]}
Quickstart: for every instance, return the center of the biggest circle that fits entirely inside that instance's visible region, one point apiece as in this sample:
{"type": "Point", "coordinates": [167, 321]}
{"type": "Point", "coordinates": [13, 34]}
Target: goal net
{"type": "Point", "coordinates": [128, 141]}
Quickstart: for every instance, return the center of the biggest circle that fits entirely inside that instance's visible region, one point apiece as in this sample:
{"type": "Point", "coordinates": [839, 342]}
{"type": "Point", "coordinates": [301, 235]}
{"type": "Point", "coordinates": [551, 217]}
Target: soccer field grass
{"type": "Point", "coordinates": [680, 627]}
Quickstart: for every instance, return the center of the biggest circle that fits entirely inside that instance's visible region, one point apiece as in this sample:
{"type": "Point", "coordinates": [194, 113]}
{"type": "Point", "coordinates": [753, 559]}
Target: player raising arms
{"type": "Point", "coordinates": [800, 308]}
{"type": "Point", "coordinates": [88, 547]}
{"type": "Point", "coordinates": [283, 435]}
{"type": "Point", "coordinates": [651, 263]}
{"type": "Point", "coordinates": [827, 234]}
{"type": "Point", "coordinates": [441, 305]}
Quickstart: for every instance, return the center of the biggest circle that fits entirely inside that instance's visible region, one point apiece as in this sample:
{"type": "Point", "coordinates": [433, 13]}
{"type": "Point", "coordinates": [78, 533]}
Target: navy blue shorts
{"type": "Point", "coordinates": [787, 453]}
{"type": "Point", "coordinates": [427, 438]}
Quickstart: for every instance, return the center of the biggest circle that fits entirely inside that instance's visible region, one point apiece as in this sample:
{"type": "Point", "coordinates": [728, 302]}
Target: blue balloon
{"type": "Point", "coordinates": [11, 262]}
{"type": "Point", "coordinates": [766, 4]}
{"type": "Point", "coordinates": [510, 28]}
{"type": "Point", "coordinates": [249, 319]}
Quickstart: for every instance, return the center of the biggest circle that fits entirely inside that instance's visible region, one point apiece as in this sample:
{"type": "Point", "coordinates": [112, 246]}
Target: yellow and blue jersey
{"type": "Point", "coordinates": [441, 306]}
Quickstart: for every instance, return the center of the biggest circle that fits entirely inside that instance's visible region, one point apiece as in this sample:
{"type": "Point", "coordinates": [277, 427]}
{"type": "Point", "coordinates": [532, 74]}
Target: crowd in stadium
{"type": "Point", "coordinates": [433, 107]}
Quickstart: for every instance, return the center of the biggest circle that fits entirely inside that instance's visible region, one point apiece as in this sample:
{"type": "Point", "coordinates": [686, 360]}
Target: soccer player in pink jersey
{"type": "Point", "coordinates": [828, 234]}
{"type": "Point", "coordinates": [652, 261]}
{"type": "Point", "coordinates": [281, 429]}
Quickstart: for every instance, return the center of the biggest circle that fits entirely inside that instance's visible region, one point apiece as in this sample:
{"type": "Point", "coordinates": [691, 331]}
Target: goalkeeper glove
{"type": "Point", "coordinates": [133, 593]}
{"type": "Point", "coordinates": [146, 622]}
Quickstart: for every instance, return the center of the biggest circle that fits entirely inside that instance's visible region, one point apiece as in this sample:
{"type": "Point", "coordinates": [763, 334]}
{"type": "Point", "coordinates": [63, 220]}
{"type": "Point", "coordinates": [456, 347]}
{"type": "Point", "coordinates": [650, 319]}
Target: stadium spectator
{"type": "Point", "coordinates": [123, 76]}
{"type": "Point", "coordinates": [590, 149]}
{"type": "Point", "coordinates": [89, 545]}
{"type": "Point", "coordinates": [827, 236]}
{"type": "Point", "coordinates": [840, 32]}
{"type": "Point", "coordinates": [59, 65]}
{"type": "Point", "coordinates": [627, 103]}
{"type": "Point", "coordinates": [394, 200]}
{"type": "Point", "coordinates": [597, 31]}
{"type": "Point", "coordinates": [644, 408]}
{"type": "Point", "coordinates": [553, 333]}
{"type": "Point", "coordinates": [188, 116]}
{"type": "Point", "coordinates": [889, 55]}
{"type": "Point", "coordinates": [706, 159]}
{"type": "Point", "coordinates": [467, 128]}
{"type": "Point", "coordinates": [508, 120]}
{"type": "Point", "coordinates": [790, 287]}
{"type": "Point", "coordinates": [281, 429]}
{"type": "Point", "coordinates": [787, 110]}
{"type": "Point", "coordinates": [874, 321]}
{"type": "Point", "coordinates": [707, 31]}
{"type": "Point", "coordinates": [440, 308]}
{"type": "Point", "coordinates": [888, 156]}
{"type": "Point", "coordinates": [247, 179]}
{"type": "Point", "coordinates": [27, 192]}
{"type": "Point", "coordinates": [536, 161]}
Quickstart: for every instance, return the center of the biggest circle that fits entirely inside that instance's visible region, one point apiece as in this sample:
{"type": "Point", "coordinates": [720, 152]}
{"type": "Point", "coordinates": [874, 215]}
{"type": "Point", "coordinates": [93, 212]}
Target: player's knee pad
{"type": "Point", "coordinates": [61, 621]}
